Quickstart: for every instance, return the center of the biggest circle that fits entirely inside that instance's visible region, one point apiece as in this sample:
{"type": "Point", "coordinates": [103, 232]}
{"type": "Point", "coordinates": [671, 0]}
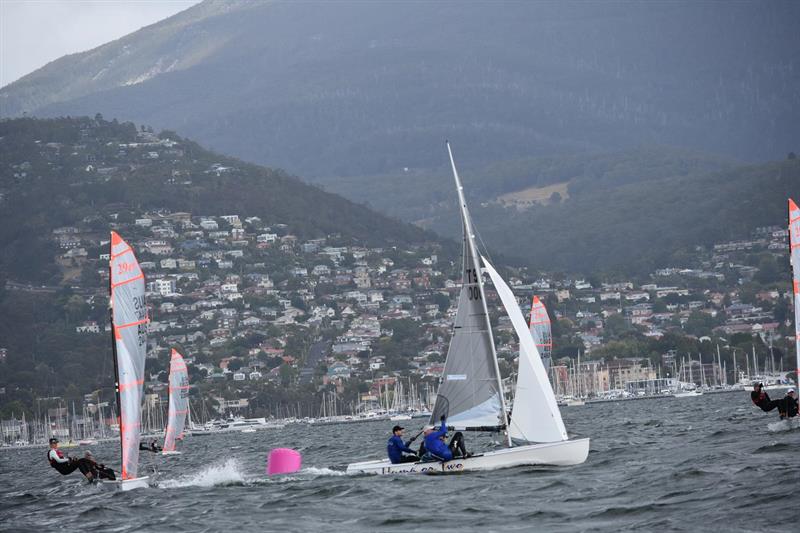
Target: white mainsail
{"type": "Point", "coordinates": [536, 417]}
{"type": "Point", "coordinates": [178, 400]}
{"type": "Point", "coordinates": [471, 394]}
{"type": "Point", "coordinates": [540, 330]}
{"type": "Point", "coordinates": [794, 240]}
{"type": "Point", "coordinates": [129, 328]}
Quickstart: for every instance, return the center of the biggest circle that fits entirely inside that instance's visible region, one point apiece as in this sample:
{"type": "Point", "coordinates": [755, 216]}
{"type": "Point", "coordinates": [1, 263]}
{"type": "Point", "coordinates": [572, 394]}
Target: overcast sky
{"type": "Point", "coordinates": [35, 32]}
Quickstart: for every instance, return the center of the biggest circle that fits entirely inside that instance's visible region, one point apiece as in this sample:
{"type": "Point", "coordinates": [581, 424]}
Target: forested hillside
{"type": "Point", "coordinates": [366, 88]}
{"type": "Point", "coordinates": [58, 172]}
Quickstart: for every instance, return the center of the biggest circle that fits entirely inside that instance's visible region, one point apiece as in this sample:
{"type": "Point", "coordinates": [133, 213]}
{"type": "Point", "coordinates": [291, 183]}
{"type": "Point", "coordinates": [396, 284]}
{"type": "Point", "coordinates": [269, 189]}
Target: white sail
{"type": "Point", "coordinates": [129, 324]}
{"type": "Point", "coordinates": [178, 400]}
{"type": "Point", "coordinates": [536, 417]}
{"type": "Point", "coordinates": [540, 330]}
{"type": "Point", "coordinates": [794, 240]}
{"type": "Point", "coordinates": [471, 394]}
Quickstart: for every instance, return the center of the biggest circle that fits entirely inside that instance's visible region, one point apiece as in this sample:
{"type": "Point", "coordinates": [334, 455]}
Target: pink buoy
{"type": "Point", "coordinates": [283, 461]}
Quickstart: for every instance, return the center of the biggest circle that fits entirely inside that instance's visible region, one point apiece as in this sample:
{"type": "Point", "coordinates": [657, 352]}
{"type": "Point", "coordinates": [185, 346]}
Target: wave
{"type": "Point", "coordinates": [227, 473]}
{"type": "Point", "coordinates": [775, 448]}
{"type": "Point", "coordinates": [314, 471]}
{"type": "Point", "coordinates": [784, 425]}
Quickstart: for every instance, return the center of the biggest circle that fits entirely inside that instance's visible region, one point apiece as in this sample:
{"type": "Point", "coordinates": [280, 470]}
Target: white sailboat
{"type": "Point", "coordinates": [129, 344]}
{"type": "Point", "coordinates": [471, 393]}
{"type": "Point", "coordinates": [178, 402]}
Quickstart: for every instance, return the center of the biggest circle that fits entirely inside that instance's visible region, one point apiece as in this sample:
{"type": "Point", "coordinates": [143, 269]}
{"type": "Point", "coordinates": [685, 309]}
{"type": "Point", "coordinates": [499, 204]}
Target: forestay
{"type": "Point", "coordinates": [129, 322]}
{"type": "Point", "coordinates": [535, 417]}
{"type": "Point", "coordinates": [794, 240]}
{"type": "Point", "coordinates": [178, 400]}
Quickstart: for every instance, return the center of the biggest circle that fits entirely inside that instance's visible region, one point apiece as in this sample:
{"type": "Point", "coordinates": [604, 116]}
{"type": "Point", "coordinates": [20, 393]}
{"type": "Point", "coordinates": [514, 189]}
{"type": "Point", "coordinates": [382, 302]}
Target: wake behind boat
{"type": "Point", "coordinates": [471, 393]}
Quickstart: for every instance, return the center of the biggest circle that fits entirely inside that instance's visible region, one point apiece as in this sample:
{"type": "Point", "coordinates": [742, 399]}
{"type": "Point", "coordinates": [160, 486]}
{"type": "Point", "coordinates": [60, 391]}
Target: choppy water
{"type": "Point", "coordinates": [694, 464]}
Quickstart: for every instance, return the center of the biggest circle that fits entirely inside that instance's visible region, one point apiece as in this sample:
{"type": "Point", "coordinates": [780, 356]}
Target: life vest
{"type": "Point", "coordinates": [55, 464]}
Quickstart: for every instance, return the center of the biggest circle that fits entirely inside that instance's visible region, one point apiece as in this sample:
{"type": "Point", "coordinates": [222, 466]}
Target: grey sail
{"type": "Point", "coordinates": [470, 394]}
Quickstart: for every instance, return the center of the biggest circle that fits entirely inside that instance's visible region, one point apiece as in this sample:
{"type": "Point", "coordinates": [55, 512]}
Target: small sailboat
{"type": "Point", "coordinates": [128, 313]}
{"type": "Point", "coordinates": [794, 243]}
{"type": "Point", "coordinates": [178, 402]}
{"type": "Point", "coordinates": [471, 394]}
{"type": "Point", "coordinates": [540, 330]}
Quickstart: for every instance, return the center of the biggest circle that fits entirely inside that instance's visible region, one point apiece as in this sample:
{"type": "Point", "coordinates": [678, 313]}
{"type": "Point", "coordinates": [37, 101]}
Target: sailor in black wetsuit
{"type": "Point", "coordinates": [152, 447]}
{"type": "Point", "coordinates": [788, 407]}
{"type": "Point", "coordinates": [761, 399]}
{"type": "Point", "coordinates": [67, 465]}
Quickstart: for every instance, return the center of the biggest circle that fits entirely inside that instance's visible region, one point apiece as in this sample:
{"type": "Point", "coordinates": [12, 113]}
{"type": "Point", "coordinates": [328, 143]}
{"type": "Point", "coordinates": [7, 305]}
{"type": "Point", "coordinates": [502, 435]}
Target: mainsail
{"type": "Point", "coordinates": [129, 329]}
{"type": "Point", "coordinates": [178, 400]}
{"type": "Point", "coordinates": [535, 417]}
{"type": "Point", "coordinates": [540, 330]}
{"type": "Point", "coordinates": [470, 394]}
{"type": "Point", "coordinates": [794, 240]}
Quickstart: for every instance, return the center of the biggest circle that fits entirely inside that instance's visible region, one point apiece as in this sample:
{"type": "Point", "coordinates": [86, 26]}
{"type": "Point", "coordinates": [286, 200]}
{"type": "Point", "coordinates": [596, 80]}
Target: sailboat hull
{"type": "Point", "coordinates": [563, 453]}
{"type": "Point", "coordinates": [126, 484]}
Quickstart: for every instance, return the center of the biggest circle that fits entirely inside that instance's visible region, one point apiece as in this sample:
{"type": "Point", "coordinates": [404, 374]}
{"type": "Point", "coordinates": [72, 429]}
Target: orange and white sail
{"type": "Point", "coordinates": [794, 243]}
{"type": "Point", "coordinates": [178, 400]}
{"type": "Point", "coordinates": [129, 323]}
{"type": "Point", "coordinates": [540, 331]}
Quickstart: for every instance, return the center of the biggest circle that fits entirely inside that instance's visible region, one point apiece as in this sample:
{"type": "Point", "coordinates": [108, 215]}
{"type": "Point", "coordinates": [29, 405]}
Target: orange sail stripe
{"type": "Point", "coordinates": [129, 384]}
{"type": "Point", "coordinates": [123, 252]}
{"type": "Point", "coordinates": [131, 324]}
{"type": "Point", "coordinates": [115, 285]}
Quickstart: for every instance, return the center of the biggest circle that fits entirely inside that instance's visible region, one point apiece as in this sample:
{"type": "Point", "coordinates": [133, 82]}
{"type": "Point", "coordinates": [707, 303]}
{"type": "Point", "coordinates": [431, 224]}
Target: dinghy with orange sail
{"type": "Point", "coordinates": [128, 312]}
{"type": "Point", "coordinates": [178, 402]}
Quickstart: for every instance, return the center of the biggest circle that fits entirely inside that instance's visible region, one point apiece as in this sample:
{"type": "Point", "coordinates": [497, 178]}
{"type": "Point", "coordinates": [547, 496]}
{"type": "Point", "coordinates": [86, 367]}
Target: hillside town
{"type": "Point", "coordinates": [278, 326]}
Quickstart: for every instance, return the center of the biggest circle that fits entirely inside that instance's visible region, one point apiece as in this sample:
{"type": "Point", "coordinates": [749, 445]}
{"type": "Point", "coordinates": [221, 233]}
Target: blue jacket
{"type": "Point", "coordinates": [395, 448]}
{"type": "Point", "coordinates": [435, 446]}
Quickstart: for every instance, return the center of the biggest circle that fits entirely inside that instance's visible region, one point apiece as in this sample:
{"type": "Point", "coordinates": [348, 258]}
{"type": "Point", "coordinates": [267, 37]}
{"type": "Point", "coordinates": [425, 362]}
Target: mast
{"type": "Point", "coordinates": [469, 238]}
{"type": "Point", "coordinates": [114, 343]}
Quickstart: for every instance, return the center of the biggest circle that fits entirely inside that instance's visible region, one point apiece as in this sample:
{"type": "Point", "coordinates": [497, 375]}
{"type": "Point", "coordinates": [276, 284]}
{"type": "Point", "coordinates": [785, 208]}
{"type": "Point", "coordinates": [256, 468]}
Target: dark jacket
{"type": "Point", "coordinates": [395, 448]}
{"type": "Point", "coordinates": [761, 399]}
{"type": "Point", "coordinates": [435, 446]}
{"type": "Point", "coordinates": [789, 407]}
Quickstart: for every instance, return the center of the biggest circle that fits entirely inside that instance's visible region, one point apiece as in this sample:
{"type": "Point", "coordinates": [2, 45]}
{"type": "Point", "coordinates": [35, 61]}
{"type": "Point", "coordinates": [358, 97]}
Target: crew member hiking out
{"type": "Point", "coordinates": [788, 405]}
{"type": "Point", "coordinates": [761, 399]}
{"type": "Point", "coordinates": [67, 465]}
{"type": "Point", "coordinates": [398, 451]}
{"type": "Point", "coordinates": [437, 449]}
{"type": "Point", "coordinates": [151, 447]}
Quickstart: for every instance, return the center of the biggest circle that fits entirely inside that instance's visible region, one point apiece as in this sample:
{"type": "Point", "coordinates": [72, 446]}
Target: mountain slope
{"type": "Point", "coordinates": [356, 88]}
{"type": "Point", "coordinates": [58, 172]}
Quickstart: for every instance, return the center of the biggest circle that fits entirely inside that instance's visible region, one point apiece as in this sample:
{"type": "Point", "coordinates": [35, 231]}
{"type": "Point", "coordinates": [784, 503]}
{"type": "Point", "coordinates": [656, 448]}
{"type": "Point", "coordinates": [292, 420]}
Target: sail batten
{"type": "Point", "coordinates": [794, 244]}
{"type": "Point", "coordinates": [178, 400]}
{"type": "Point", "coordinates": [129, 328]}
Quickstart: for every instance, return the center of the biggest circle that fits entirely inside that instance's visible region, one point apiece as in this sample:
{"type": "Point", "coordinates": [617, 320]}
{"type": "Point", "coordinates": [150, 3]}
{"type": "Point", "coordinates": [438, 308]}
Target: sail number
{"type": "Point", "coordinates": [473, 292]}
{"type": "Point", "coordinates": [125, 268]}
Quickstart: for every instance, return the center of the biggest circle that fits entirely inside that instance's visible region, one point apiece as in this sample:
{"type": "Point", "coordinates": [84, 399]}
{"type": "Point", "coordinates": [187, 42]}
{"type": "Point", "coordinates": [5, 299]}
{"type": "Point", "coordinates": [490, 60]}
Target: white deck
{"type": "Point", "coordinates": [564, 453]}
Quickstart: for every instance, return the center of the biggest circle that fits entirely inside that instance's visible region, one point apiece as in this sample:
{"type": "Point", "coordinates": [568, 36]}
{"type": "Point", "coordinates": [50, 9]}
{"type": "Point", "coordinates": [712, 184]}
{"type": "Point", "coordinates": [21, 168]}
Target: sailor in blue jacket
{"type": "Point", "coordinates": [396, 448]}
{"type": "Point", "coordinates": [435, 444]}
{"type": "Point", "coordinates": [436, 447]}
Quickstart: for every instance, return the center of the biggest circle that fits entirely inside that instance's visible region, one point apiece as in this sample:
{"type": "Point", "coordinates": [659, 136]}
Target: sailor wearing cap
{"type": "Point", "coordinates": [789, 407]}
{"type": "Point", "coordinates": [398, 450]}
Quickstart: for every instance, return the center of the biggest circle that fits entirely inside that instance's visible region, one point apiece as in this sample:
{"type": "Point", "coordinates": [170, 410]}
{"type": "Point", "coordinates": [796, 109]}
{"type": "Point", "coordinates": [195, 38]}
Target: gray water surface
{"type": "Point", "coordinates": [708, 463]}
